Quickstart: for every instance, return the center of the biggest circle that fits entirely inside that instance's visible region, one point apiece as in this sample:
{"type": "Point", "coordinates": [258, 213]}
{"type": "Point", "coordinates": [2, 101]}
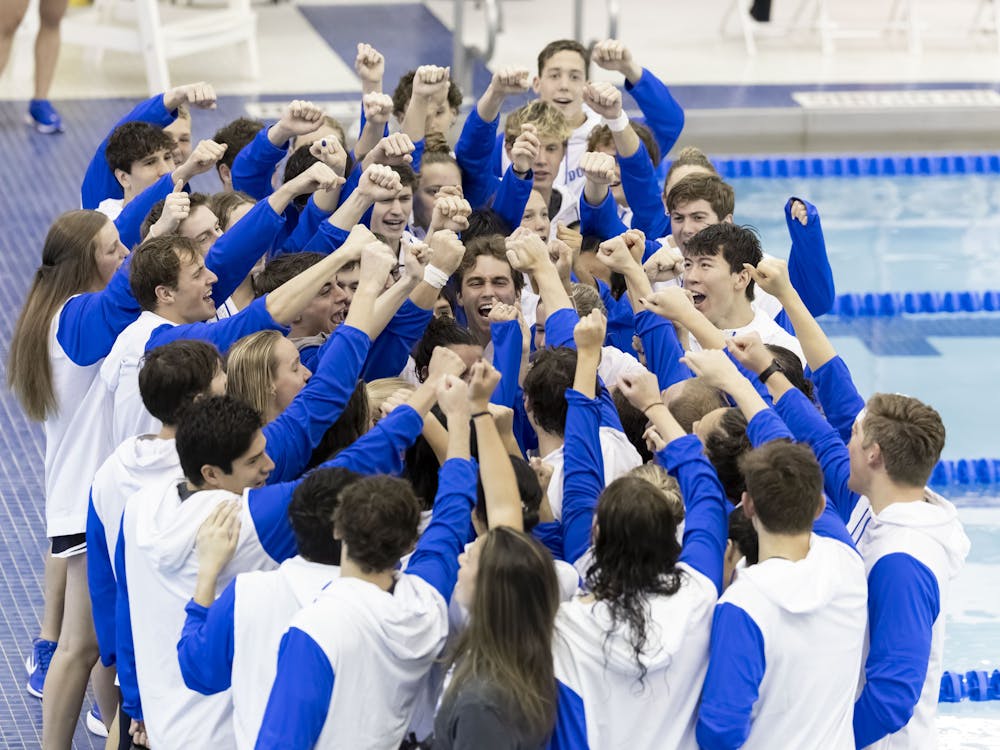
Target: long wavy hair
{"type": "Point", "coordinates": [635, 557]}
{"type": "Point", "coordinates": [69, 267]}
{"type": "Point", "coordinates": [508, 643]}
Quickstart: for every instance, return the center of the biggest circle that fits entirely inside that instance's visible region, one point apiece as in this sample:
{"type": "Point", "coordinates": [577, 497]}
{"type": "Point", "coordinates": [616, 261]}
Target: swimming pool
{"type": "Point", "coordinates": [905, 234]}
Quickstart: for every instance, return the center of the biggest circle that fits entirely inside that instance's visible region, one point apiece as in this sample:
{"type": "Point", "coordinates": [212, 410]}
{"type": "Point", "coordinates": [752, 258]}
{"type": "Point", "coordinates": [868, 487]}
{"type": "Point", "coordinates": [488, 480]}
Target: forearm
{"type": "Point", "coordinates": [415, 120]}
{"type": "Point", "coordinates": [663, 421]}
{"type": "Point", "coordinates": [503, 500]}
{"type": "Point", "coordinates": [585, 377]}
{"type": "Point", "coordinates": [626, 141]}
{"type": "Point", "coordinates": [388, 303]}
{"type": "Point", "coordinates": [205, 585]}
{"type": "Point", "coordinates": [637, 283]}
{"type": "Point", "coordinates": [815, 345]}
{"type": "Point", "coordinates": [746, 397]}
{"type": "Point", "coordinates": [286, 302]}
{"type": "Point", "coordinates": [551, 290]}
{"type": "Point", "coordinates": [371, 134]}
{"type": "Point", "coordinates": [436, 436]}
{"type": "Point", "coordinates": [350, 212]}
{"type": "Point", "coordinates": [594, 193]}
{"type": "Point", "coordinates": [489, 105]}
{"type": "Point", "coordinates": [703, 330]}
{"type": "Point", "coordinates": [459, 433]}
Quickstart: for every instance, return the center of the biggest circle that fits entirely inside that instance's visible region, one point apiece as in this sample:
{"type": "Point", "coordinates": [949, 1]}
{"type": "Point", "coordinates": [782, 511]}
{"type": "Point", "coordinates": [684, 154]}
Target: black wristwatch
{"type": "Point", "coordinates": [772, 368]}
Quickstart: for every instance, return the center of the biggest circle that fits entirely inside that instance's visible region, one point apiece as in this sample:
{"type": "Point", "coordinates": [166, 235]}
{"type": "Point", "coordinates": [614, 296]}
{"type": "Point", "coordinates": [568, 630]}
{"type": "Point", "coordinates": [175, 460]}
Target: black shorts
{"type": "Point", "coordinates": [69, 545]}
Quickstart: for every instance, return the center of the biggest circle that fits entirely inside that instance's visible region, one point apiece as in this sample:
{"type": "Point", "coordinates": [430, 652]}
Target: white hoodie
{"type": "Point", "coordinates": [380, 647]}
{"type": "Point", "coordinates": [265, 602]}
{"type": "Point", "coordinates": [602, 673]}
{"type": "Point", "coordinates": [161, 565]}
{"type": "Point", "coordinates": [789, 635]}
{"type": "Point", "coordinates": [930, 533]}
{"type": "Point", "coordinates": [140, 461]}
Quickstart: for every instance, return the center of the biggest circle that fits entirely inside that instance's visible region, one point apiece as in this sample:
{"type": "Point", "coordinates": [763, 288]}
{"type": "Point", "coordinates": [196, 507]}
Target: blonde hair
{"type": "Point", "coordinates": [250, 369]}
{"type": "Point", "coordinates": [549, 121]}
{"type": "Point", "coordinates": [381, 389]}
{"type": "Point", "coordinates": [657, 476]}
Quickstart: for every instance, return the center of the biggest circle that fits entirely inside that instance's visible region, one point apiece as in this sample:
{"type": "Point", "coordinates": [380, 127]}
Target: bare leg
{"type": "Point", "coordinates": [55, 597]}
{"type": "Point", "coordinates": [76, 655]}
{"type": "Point", "coordinates": [112, 741]}
{"type": "Point", "coordinates": [102, 679]}
{"type": "Point", "coordinates": [50, 13]}
{"type": "Point", "coordinates": [11, 13]}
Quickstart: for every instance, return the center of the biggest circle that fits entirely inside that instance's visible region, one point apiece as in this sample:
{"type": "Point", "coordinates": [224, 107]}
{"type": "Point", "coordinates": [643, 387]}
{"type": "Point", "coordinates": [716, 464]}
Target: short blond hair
{"type": "Point", "coordinates": [381, 389]}
{"type": "Point", "coordinates": [549, 121]}
{"type": "Point", "coordinates": [657, 476]}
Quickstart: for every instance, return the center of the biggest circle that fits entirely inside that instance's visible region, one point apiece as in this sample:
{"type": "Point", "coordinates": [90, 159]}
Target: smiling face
{"type": "Point", "coordinates": [561, 84]}
{"type": "Point", "coordinates": [687, 219]}
{"type": "Point", "coordinates": [719, 294]}
{"type": "Point", "coordinates": [251, 470]}
{"type": "Point", "coordinates": [290, 376]}
{"type": "Point", "coordinates": [389, 217]}
{"type": "Point", "coordinates": [202, 226]}
{"type": "Point", "coordinates": [191, 301]}
{"type": "Point", "coordinates": [487, 282]}
{"type": "Point", "coordinates": [547, 163]}
{"type": "Point", "coordinates": [322, 314]}
{"type": "Point", "coordinates": [433, 177]}
{"type": "Point", "coordinates": [536, 215]}
{"type": "Point", "coordinates": [109, 253]}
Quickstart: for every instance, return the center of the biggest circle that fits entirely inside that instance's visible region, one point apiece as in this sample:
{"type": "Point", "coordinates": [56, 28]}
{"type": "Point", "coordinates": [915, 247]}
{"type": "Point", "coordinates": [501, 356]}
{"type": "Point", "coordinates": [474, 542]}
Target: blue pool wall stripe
{"type": "Point", "coordinates": [857, 166]}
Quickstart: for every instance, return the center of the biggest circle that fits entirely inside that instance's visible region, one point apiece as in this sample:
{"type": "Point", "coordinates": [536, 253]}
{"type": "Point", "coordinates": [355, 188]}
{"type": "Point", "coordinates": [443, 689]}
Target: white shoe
{"type": "Point", "coordinates": [94, 724]}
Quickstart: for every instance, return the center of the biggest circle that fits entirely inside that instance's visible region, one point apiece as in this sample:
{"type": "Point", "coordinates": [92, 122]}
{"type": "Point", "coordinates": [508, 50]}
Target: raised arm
{"type": "Point", "coordinates": [503, 500]}
{"type": "Point", "coordinates": [808, 262]}
{"type": "Point", "coordinates": [583, 479]}
{"type": "Point", "coordinates": [436, 557]}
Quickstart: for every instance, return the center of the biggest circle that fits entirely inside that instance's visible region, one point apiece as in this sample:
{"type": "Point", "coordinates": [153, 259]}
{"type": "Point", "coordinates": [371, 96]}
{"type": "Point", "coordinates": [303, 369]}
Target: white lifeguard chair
{"type": "Point", "coordinates": [136, 26]}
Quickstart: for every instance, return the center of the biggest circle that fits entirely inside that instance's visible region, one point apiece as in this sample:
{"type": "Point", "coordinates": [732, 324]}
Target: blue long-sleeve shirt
{"type": "Point", "coordinates": [838, 396]}
{"type": "Point", "coordinates": [663, 350]}
{"type": "Point", "coordinates": [507, 343]}
{"type": "Point", "coordinates": [661, 112]}
{"type": "Point", "coordinates": [294, 717]}
{"type": "Point", "coordinates": [99, 182]}
{"type": "Point", "coordinates": [90, 323]}
{"type": "Point", "coordinates": [253, 167]}
{"type": "Point", "coordinates": [101, 583]}
{"type": "Point", "coordinates": [129, 221]}
{"type": "Point", "coordinates": [474, 154]}
{"type": "Point", "coordinates": [224, 333]}
{"type": "Point", "coordinates": [234, 254]}
{"type": "Point", "coordinates": [706, 521]}
{"type": "Point", "coordinates": [583, 480]}
{"type": "Point", "coordinates": [391, 348]}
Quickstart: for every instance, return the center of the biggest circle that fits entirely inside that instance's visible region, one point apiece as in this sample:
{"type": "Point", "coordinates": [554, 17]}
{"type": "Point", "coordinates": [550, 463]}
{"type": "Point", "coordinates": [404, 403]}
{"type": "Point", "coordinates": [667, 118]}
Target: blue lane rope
{"type": "Point", "coordinates": [982, 472]}
{"type": "Point", "coordinates": [891, 304]}
{"type": "Point", "coordinates": [924, 165]}
{"type": "Point", "coordinates": [975, 685]}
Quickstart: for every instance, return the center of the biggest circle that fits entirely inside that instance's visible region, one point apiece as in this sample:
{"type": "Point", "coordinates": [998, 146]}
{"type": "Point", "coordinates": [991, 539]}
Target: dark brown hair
{"type": "Point", "coordinates": [909, 433]}
{"type": "Point", "coordinates": [786, 484]}
{"type": "Point", "coordinates": [377, 519]}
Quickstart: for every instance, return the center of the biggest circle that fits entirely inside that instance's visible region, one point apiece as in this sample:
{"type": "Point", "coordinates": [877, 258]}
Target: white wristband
{"type": "Point", "coordinates": [618, 124]}
{"type": "Point", "coordinates": [435, 277]}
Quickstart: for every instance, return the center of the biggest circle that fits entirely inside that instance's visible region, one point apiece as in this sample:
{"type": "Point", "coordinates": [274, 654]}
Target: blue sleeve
{"type": "Point", "coordinates": [233, 255]}
{"type": "Point", "coordinates": [903, 603]}
{"type": "Point", "coordinates": [326, 239]}
{"type": "Point", "coordinates": [559, 332]}
{"type": "Point", "coordinates": [512, 196]}
{"type": "Point", "coordinates": [662, 113]}
{"type": "Point", "coordinates": [837, 395]}
{"type": "Point", "coordinates": [101, 582]}
{"type": "Point", "coordinates": [643, 193]}
{"type": "Point", "coordinates": [268, 508]}
{"type": "Point", "coordinates": [808, 264]}
{"type": "Point", "coordinates": [808, 426]}
{"type": "Point", "coordinates": [99, 182]}
{"type": "Point", "coordinates": [622, 324]}
{"type": "Point", "coordinates": [436, 557]}
{"type": "Point", "coordinates": [600, 221]}
{"type": "Point", "coordinates": [124, 645]}
{"type": "Point", "coordinates": [205, 650]}
{"type": "Point", "coordinates": [223, 333]}
{"type": "Point", "coordinates": [473, 152]}
{"type": "Point", "coordinates": [507, 342]}
{"type": "Point", "coordinates": [129, 221]}
{"type": "Point", "coordinates": [418, 154]}
{"type": "Point", "coordinates": [732, 684]}
{"type": "Point", "coordinates": [309, 223]}
{"type": "Point", "coordinates": [766, 426]}
{"type": "Point", "coordinates": [254, 165]}
{"type": "Point", "coordinates": [381, 449]}
{"type": "Point", "coordinates": [583, 480]}
{"type": "Point", "coordinates": [295, 433]}
{"type": "Point", "coordinates": [706, 523]}
{"type": "Point", "coordinates": [549, 533]}
{"type": "Point", "coordinates": [90, 323]}
{"type": "Point", "coordinates": [300, 697]}
{"type": "Point", "coordinates": [391, 348]}
{"type": "Point", "coordinates": [663, 350]}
